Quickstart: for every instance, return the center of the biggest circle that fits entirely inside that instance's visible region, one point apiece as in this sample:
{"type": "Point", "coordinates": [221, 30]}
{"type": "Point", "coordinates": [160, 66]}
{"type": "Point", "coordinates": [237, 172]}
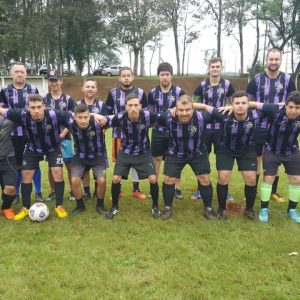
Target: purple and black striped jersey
{"type": "Point", "coordinates": [89, 143]}
{"type": "Point", "coordinates": [160, 102]}
{"type": "Point", "coordinates": [213, 95]}
{"type": "Point", "coordinates": [185, 140]}
{"type": "Point", "coordinates": [43, 137]}
{"type": "Point", "coordinates": [98, 107]}
{"type": "Point", "coordinates": [13, 98]}
{"type": "Point", "coordinates": [116, 100]}
{"type": "Point", "coordinates": [135, 139]}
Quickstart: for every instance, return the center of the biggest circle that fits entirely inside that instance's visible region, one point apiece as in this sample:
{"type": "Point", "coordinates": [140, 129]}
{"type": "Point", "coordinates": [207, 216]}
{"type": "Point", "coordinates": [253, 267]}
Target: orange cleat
{"type": "Point", "coordinates": [137, 194]}
{"type": "Point", "coordinates": [8, 213]}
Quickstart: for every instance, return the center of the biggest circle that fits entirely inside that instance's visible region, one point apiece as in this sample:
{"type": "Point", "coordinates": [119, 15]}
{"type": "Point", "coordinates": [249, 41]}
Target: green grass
{"type": "Point", "coordinates": [137, 257]}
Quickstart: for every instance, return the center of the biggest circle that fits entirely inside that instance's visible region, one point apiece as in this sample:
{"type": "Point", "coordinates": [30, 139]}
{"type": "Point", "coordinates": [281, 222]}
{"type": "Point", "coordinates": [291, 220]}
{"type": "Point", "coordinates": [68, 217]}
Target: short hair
{"type": "Point", "coordinates": [125, 69]}
{"type": "Point", "coordinates": [17, 63]}
{"type": "Point", "coordinates": [293, 97]}
{"type": "Point", "coordinates": [35, 98]}
{"type": "Point", "coordinates": [239, 94]}
{"type": "Point", "coordinates": [89, 79]}
{"type": "Point", "coordinates": [165, 66]}
{"type": "Point", "coordinates": [132, 96]}
{"type": "Point", "coordinates": [184, 99]}
{"type": "Point", "coordinates": [80, 108]}
{"type": "Point", "coordinates": [215, 60]}
{"type": "Point", "coordinates": [272, 50]}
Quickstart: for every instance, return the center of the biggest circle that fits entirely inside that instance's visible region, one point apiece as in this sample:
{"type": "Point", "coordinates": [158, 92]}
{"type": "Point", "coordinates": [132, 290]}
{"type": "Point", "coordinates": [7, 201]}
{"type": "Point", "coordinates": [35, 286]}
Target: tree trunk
{"type": "Point", "coordinates": [254, 62]}
{"type": "Point", "coordinates": [219, 33]}
{"type": "Point", "coordinates": [150, 65]}
{"type": "Point", "coordinates": [142, 62]}
{"type": "Point", "coordinates": [241, 44]}
{"type": "Point", "coordinates": [136, 52]}
{"type": "Point", "coordinates": [176, 48]}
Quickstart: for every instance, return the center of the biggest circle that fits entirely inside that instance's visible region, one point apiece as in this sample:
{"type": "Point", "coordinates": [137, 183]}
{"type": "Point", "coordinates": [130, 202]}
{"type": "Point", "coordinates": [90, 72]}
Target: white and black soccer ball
{"type": "Point", "coordinates": [38, 212]}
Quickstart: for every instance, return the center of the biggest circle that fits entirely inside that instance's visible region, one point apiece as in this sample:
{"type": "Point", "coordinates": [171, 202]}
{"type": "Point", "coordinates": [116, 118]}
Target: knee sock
{"type": "Point", "coordinates": [7, 201]}
{"type": "Point", "coordinates": [87, 189]}
{"type": "Point", "coordinates": [136, 186]}
{"type": "Point", "coordinates": [222, 191]}
{"type": "Point", "coordinates": [80, 203]}
{"type": "Point", "coordinates": [274, 185]}
{"type": "Point", "coordinates": [250, 193]}
{"type": "Point", "coordinates": [100, 202]}
{"type": "Point", "coordinates": [96, 187]}
{"type": "Point", "coordinates": [207, 194]}
{"type": "Point", "coordinates": [115, 191]}
{"type": "Point", "coordinates": [19, 179]}
{"type": "Point", "coordinates": [59, 189]}
{"type": "Point", "coordinates": [26, 189]}
{"type": "Point", "coordinates": [154, 193]}
{"type": "Point", "coordinates": [168, 194]}
{"type": "Point", "coordinates": [265, 193]}
{"type": "Point", "coordinates": [294, 196]}
{"type": "Point", "coordinates": [37, 180]}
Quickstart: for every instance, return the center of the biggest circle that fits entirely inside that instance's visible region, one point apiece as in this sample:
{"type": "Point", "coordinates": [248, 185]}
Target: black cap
{"type": "Point", "coordinates": [54, 74]}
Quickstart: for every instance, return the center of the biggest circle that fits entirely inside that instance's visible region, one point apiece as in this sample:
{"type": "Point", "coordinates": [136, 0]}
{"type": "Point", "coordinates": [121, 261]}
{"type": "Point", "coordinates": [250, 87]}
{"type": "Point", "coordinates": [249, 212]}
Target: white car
{"type": "Point", "coordinates": [111, 71]}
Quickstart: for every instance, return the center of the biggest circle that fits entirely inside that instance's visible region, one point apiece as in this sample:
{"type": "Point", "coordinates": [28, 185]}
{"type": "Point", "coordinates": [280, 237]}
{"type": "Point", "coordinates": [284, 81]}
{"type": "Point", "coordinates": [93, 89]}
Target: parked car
{"type": "Point", "coordinates": [111, 71]}
{"type": "Point", "coordinates": [97, 72]}
{"type": "Point", "coordinates": [43, 70]}
{"type": "Point", "coordinates": [67, 73]}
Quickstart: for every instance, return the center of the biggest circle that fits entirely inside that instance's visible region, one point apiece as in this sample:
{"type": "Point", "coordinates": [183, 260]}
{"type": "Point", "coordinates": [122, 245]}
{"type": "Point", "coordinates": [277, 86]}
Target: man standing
{"type": "Point", "coordinates": [272, 86]}
{"type": "Point", "coordinates": [215, 92]}
{"type": "Point", "coordinates": [56, 99]}
{"type": "Point", "coordinates": [115, 104]}
{"type": "Point", "coordinates": [160, 99]}
{"type": "Point", "coordinates": [15, 96]}
{"type": "Point", "coordinates": [42, 129]}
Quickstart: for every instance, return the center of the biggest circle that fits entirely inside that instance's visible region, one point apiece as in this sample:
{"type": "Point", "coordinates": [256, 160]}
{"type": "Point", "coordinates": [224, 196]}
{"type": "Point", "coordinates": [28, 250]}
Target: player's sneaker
{"type": "Point", "coordinates": [264, 215]}
{"type": "Point", "coordinates": [196, 195]}
{"type": "Point", "coordinates": [50, 197]}
{"type": "Point", "coordinates": [155, 212]}
{"type": "Point", "coordinates": [277, 198]}
{"type": "Point", "coordinates": [209, 213]}
{"type": "Point", "coordinates": [76, 211]}
{"type": "Point", "coordinates": [178, 194]}
{"type": "Point", "coordinates": [8, 213]}
{"type": "Point", "coordinates": [250, 214]}
{"type": "Point", "coordinates": [72, 198]}
{"type": "Point", "coordinates": [16, 200]}
{"type": "Point", "coordinates": [229, 197]}
{"type": "Point", "coordinates": [39, 197]}
{"type": "Point", "coordinates": [23, 213]}
{"type": "Point", "coordinates": [294, 215]}
{"type": "Point", "coordinates": [167, 213]}
{"type": "Point", "coordinates": [100, 210]}
{"type": "Point", "coordinates": [137, 194]}
{"type": "Point", "coordinates": [112, 212]}
{"type": "Point", "coordinates": [61, 212]}
{"type": "Point", "coordinates": [222, 215]}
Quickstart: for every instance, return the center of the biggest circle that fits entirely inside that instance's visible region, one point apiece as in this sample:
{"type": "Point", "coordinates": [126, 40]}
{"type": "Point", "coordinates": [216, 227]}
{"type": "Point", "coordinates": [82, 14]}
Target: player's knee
{"type": "Point", "coordinates": [10, 190]}
{"type": "Point", "coordinates": [204, 179]}
{"type": "Point", "coordinates": [75, 181]}
{"type": "Point", "coordinates": [169, 180]}
{"type": "Point", "coordinates": [116, 179]}
{"type": "Point", "coordinates": [152, 179]}
{"type": "Point", "coordinates": [101, 180]}
{"type": "Point", "coordinates": [157, 159]}
{"type": "Point", "coordinates": [223, 179]}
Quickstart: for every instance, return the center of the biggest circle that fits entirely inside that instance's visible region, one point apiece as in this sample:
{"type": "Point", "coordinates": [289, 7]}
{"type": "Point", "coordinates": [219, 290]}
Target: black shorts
{"type": "Point", "coordinates": [31, 159]}
{"type": "Point", "coordinates": [272, 161]}
{"type": "Point", "coordinates": [143, 165]}
{"type": "Point", "coordinates": [259, 149]}
{"type": "Point", "coordinates": [246, 159]}
{"type": "Point", "coordinates": [159, 143]}
{"type": "Point", "coordinates": [8, 171]}
{"type": "Point", "coordinates": [79, 166]}
{"type": "Point", "coordinates": [174, 165]}
{"type": "Point", "coordinates": [211, 136]}
{"type": "Point", "coordinates": [19, 143]}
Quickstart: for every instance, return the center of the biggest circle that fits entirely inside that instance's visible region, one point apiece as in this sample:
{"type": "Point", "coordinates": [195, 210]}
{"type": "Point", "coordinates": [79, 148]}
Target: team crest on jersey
{"type": "Point", "coordinates": [220, 91]}
{"type": "Point", "coordinates": [279, 86]}
{"type": "Point", "coordinates": [249, 125]}
{"type": "Point", "coordinates": [92, 133]}
{"type": "Point", "coordinates": [194, 129]}
{"type": "Point", "coordinates": [172, 98]}
{"type": "Point", "coordinates": [2, 131]}
{"type": "Point", "coordinates": [62, 105]}
{"type": "Point", "coordinates": [48, 127]}
{"type": "Point", "coordinates": [142, 126]}
{"type": "Point", "coordinates": [297, 124]}
{"type": "Point", "coordinates": [96, 110]}
{"type": "Point", "coordinates": [233, 125]}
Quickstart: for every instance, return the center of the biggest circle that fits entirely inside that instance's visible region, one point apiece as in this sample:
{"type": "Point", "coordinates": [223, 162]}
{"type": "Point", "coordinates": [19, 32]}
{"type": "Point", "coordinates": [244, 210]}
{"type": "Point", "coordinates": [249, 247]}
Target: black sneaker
{"type": "Point", "coordinates": [167, 213]}
{"type": "Point", "coordinates": [86, 196]}
{"type": "Point", "coordinates": [209, 213]}
{"type": "Point", "coordinates": [77, 210]}
{"type": "Point", "coordinates": [112, 212]}
{"type": "Point", "coordinates": [100, 210]}
{"type": "Point", "coordinates": [250, 214]}
{"type": "Point", "coordinates": [178, 194]}
{"type": "Point", "coordinates": [222, 215]}
{"type": "Point", "coordinates": [50, 197]}
{"type": "Point", "coordinates": [155, 212]}
{"type": "Point", "coordinates": [39, 197]}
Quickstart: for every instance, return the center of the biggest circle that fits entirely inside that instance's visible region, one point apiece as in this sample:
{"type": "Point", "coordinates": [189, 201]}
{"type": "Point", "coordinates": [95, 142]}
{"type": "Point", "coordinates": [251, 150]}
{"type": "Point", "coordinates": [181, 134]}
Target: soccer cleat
{"type": "Point", "coordinates": [209, 213]}
{"type": "Point", "coordinates": [250, 214]}
{"type": "Point", "coordinates": [23, 213]}
{"type": "Point", "coordinates": [72, 198]}
{"type": "Point", "coordinates": [229, 197]}
{"type": "Point", "coordinates": [222, 215]}
{"type": "Point", "coordinates": [196, 196]}
{"type": "Point", "coordinates": [277, 198]}
{"type": "Point", "coordinates": [39, 197]}
{"type": "Point", "coordinates": [155, 212]}
{"type": "Point", "coordinates": [100, 210]}
{"type": "Point", "coordinates": [137, 194]}
{"type": "Point", "coordinates": [16, 200]}
{"type": "Point", "coordinates": [77, 210]}
{"type": "Point", "coordinates": [8, 213]}
{"type": "Point", "coordinates": [178, 194]}
{"type": "Point", "coordinates": [294, 215]}
{"type": "Point", "coordinates": [264, 215]}
{"type": "Point", "coordinates": [50, 197]}
{"type": "Point", "coordinates": [112, 212]}
{"type": "Point", "coordinates": [167, 213]}
{"type": "Point", "coordinates": [61, 212]}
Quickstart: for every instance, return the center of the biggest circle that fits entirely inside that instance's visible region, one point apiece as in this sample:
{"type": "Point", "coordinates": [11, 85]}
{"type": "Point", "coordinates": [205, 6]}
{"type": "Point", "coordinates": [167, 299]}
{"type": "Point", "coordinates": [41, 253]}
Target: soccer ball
{"type": "Point", "coordinates": [38, 212]}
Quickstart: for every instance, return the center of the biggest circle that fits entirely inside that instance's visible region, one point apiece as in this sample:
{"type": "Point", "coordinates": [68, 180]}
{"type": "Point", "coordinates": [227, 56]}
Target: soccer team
{"type": "Point", "coordinates": [262, 122]}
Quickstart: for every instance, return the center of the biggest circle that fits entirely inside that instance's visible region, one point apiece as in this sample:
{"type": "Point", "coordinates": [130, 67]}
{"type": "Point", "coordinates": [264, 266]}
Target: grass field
{"type": "Point", "coordinates": [136, 257]}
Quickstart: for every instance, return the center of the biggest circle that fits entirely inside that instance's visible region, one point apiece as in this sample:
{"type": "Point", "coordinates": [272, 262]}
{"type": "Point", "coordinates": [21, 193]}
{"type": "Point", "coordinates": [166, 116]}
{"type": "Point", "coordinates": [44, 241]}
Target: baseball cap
{"type": "Point", "coordinates": [54, 74]}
